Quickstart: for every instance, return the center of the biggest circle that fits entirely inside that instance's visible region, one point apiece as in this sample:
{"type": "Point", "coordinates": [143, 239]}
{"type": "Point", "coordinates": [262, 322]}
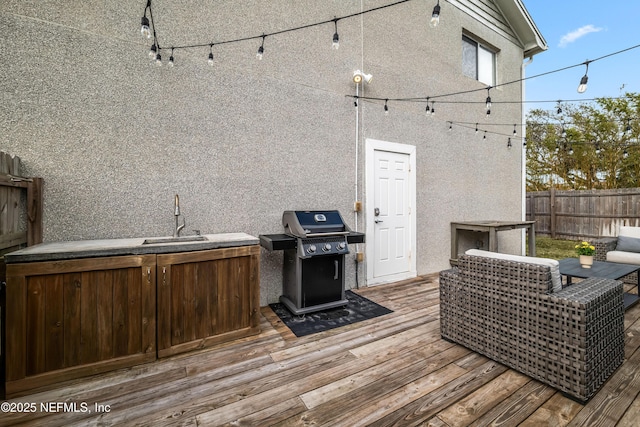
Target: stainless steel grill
{"type": "Point", "coordinates": [315, 245]}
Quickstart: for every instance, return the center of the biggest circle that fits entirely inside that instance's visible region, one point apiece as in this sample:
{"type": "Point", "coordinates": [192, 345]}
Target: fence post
{"type": "Point", "coordinates": [552, 209]}
{"type": "Point", "coordinates": [34, 211]}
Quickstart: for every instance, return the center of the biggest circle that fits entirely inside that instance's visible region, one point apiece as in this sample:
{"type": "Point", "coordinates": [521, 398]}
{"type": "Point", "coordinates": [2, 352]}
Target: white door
{"type": "Point", "coordinates": [389, 217]}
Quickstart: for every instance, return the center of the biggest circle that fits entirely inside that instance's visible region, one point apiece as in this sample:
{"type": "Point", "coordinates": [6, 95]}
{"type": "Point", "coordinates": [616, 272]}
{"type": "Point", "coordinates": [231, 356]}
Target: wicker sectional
{"type": "Point", "coordinates": [571, 340]}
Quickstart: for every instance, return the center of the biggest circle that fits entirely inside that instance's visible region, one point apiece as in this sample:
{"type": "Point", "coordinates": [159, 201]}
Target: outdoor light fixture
{"type": "Point", "coordinates": [359, 76]}
{"type": "Point", "coordinates": [435, 16]}
{"type": "Point", "coordinates": [261, 49]}
{"type": "Point", "coordinates": [386, 108]}
{"type": "Point", "coordinates": [336, 37]}
{"type": "Point", "coordinates": [210, 60]}
{"type": "Point", "coordinates": [582, 88]}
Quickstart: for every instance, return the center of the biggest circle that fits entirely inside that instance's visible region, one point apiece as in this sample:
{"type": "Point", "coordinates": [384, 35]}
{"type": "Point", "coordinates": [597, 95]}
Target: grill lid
{"type": "Point", "coordinates": [314, 223]}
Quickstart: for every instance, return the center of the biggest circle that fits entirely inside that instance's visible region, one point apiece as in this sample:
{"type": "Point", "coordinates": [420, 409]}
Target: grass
{"type": "Point", "coordinates": [547, 247]}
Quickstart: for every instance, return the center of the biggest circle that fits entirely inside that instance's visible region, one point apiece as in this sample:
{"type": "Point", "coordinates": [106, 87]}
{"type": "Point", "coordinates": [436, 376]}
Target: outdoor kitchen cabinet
{"type": "Point", "coordinates": [207, 297]}
{"type": "Point", "coordinates": [71, 318]}
{"type": "Point", "coordinates": [75, 309]}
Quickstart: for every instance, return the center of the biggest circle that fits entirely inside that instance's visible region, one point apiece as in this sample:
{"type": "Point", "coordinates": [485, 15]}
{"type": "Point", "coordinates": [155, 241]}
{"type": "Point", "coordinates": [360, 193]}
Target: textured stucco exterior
{"type": "Point", "coordinates": [115, 137]}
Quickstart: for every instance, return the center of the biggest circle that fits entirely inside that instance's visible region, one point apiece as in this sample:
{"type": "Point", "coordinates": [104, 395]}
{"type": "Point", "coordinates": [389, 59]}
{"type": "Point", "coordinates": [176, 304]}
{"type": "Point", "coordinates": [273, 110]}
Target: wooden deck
{"type": "Point", "coordinates": [392, 370]}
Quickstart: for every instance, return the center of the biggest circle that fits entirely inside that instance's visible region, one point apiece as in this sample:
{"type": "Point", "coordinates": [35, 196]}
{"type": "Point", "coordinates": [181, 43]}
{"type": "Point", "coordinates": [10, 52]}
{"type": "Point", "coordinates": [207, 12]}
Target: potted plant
{"type": "Point", "coordinates": [585, 251]}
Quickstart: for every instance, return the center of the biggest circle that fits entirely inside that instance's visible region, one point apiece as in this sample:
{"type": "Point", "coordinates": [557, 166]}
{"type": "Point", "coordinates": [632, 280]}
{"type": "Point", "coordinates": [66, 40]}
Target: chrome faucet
{"type": "Point", "coordinates": [176, 213]}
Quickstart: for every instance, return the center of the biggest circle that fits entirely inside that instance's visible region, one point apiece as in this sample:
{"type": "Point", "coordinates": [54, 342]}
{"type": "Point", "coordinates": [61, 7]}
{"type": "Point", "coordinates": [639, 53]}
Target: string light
{"type": "Point", "coordinates": [336, 37]}
{"type": "Point", "coordinates": [509, 143]}
{"type": "Point", "coordinates": [171, 62]}
{"type": "Point", "coordinates": [559, 111]}
{"type": "Point", "coordinates": [145, 29]}
{"type": "Point", "coordinates": [433, 109]}
{"type": "Point", "coordinates": [158, 60]}
{"type": "Point", "coordinates": [261, 49]}
{"type": "Point", "coordinates": [210, 60]}
{"type": "Point", "coordinates": [450, 126]}
{"type": "Point", "coordinates": [484, 137]}
{"type": "Point", "coordinates": [515, 133]}
{"type": "Point", "coordinates": [427, 109]}
{"type": "Point", "coordinates": [435, 16]}
{"type": "Point", "coordinates": [476, 128]}
{"type": "Point", "coordinates": [153, 51]}
{"type": "Point", "coordinates": [582, 88]}
{"type": "Point", "coordinates": [488, 101]}
{"type": "Point", "coordinates": [386, 108]}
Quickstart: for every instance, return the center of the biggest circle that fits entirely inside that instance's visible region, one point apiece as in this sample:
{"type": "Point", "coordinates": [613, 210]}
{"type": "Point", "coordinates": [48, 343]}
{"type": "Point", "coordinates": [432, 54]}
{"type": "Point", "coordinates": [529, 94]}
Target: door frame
{"type": "Point", "coordinates": [371, 146]}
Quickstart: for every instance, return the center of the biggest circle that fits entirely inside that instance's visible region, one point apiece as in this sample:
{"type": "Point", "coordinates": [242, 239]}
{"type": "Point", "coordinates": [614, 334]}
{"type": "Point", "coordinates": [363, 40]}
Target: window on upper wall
{"type": "Point", "coordinates": [478, 61]}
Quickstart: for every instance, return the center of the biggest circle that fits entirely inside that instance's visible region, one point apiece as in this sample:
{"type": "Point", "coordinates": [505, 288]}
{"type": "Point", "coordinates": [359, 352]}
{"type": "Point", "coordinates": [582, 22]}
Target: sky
{"type": "Point", "coordinates": [581, 30]}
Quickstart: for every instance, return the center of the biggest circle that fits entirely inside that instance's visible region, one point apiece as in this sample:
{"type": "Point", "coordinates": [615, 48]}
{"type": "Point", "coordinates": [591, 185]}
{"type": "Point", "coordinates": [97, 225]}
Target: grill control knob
{"type": "Point", "coordinates": [342, 245]}
{"type": "Point", "coordinates": [326, 247]}
{"type": "Point", "coordinates": [311, 249]}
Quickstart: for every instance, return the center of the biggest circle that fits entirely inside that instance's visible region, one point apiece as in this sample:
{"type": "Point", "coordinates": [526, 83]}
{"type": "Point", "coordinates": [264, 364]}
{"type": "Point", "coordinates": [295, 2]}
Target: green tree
{"type": "Point", "coordinates": [586, 146]}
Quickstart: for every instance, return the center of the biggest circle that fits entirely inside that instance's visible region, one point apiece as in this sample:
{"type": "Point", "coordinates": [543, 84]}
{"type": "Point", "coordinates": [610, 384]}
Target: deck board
{"type": "Point", "coordinates": [391, 370]}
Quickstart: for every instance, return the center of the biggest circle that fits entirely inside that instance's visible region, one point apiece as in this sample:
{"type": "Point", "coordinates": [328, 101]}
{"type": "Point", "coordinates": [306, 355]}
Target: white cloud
{"type": "Point", "coordinates": [576, 34]}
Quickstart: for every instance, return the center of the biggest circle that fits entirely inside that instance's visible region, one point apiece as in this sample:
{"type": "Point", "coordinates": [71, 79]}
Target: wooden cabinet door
{"type": "Point", "coordinates": [73, 318]}
{"type": "Point", "coordinates": [207, 297]}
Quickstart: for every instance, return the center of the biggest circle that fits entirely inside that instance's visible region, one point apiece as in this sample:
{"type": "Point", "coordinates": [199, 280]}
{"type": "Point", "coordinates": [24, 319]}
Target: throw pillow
{"type": "Point", "coordinates": [628, 244]}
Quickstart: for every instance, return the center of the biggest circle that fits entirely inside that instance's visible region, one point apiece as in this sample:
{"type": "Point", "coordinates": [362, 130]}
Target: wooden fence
{"type": "Point", "coordinates": [20, 225]}
{"type": "Point", "coordinates": [567, 214]}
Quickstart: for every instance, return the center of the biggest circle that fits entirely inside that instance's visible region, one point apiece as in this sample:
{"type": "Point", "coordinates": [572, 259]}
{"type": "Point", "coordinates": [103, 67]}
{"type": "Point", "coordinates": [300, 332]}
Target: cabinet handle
{"type": "Point", "coordinates": [164, 276]}
{"type": "Point", "coordinates": [335, 274]}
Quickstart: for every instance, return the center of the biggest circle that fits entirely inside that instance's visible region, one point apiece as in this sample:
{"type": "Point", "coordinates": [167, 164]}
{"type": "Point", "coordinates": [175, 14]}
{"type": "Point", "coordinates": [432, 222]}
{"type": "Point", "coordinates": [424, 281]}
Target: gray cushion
{"type": "Point", "coordinates": [628, 244]}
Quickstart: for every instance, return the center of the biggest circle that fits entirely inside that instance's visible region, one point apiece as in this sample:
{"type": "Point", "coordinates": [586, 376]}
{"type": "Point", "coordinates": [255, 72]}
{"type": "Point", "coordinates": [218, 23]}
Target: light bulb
{"type": "Point", "coordinates": [171, 63]}
{"type": "Point", "coordinates": [435, 16]}
{"type": "Point", "coordinates": [488, 103]}
{"type": "Point", "coordinates": [158, 60]}
{"type": "Point", "coordinates": [210, 60]}
{"type": "Point", "coordinates": [582, 88]}
{"type": "Point", "coordinates": [336, 41]}
{"type": "Point", "coordinates": [144, 27]}
{"type": "Point", "coordinates": [260, 53]}
{"type": "Point", "coordinates": [509, 143]}
{"type": "Point", "coordinates": [386, 109]}
{"type": "Point", "coordinates": [153, 51]}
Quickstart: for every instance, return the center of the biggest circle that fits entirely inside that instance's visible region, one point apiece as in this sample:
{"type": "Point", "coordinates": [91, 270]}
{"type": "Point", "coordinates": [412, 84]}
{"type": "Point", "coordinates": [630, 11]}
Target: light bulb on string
{"type": "Point", "coordinates": [210, 60]}
{"type": "Point", "coordinates": [559, 110]}
{"type": "Point", "coordinates": [153, 51]}
{"type": "Point", "coordinates": [571, 150]}
{"type": "Point", "coordinates": [433, 108]}
{"type": "Point", "coordinates": [145, 28]}
{"type": "Point", "coordinates": [488, 101]}
{"type": "Point", "coordinates": [509, 143]}
{"type": "Point", "coordinates": [625, 154]}
{"type": "Point", "coordinates": [386, 108]}
{"type": "Point", "coordinates": [435, 16]}
{"type": "Point", "coordinates": [597, 148]}
{"type": "Point", "coordinates": [261, 49]}
{"type": "Point", "coordinates": [428, 111]}
{"type": "Point", "coordinates": [336, 38]}
{"type": "Point", "coordinates": [158, 60]}
{"type": "Point", "coordinates": [582, 87]}
{"type": "Point", "coordinates": [515, 133]}
{"type": "Point", "coordinates": [484, 137]}
{"type": "Point", "coordinates": [476, 128]}
{"type": "Point", "coordinates": [171, 62]}
{"type": "Point", "coordinates": [450, 126]}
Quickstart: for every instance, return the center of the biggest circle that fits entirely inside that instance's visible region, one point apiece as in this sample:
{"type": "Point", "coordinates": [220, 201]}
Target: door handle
{"type": "Point", "coordinates": [378, 220]}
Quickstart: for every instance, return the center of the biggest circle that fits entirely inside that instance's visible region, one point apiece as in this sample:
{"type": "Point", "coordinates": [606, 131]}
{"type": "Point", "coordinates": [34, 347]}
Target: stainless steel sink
{"type": "Point", "coordinates": [183, 239]}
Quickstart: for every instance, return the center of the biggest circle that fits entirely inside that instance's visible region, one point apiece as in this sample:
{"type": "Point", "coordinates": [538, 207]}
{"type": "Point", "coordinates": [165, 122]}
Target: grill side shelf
{"type": "Point", "coordinates": [281, 242]}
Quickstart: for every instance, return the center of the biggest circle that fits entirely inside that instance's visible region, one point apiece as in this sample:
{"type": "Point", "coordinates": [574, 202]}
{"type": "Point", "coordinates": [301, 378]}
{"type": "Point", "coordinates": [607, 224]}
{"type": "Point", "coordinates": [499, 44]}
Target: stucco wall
{"type": "Point", "coordinates": [115, 137]}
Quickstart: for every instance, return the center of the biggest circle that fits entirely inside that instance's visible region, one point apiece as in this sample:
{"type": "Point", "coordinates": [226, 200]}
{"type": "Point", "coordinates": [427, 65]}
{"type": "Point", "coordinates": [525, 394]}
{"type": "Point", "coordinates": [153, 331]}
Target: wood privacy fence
{"type": "Point", "coordinates": [573, 215]}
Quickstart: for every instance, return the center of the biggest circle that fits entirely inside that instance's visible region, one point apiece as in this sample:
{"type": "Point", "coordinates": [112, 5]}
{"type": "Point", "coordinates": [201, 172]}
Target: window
{"type": "Point", "coordinates": [478, 61]}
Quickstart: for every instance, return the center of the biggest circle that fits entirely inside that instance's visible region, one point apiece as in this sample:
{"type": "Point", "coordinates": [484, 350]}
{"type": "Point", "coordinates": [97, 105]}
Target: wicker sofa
{"type": "Point", "coordinates": [571, 339]}
{"type": "Point", "coordinates": [624, 249]}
